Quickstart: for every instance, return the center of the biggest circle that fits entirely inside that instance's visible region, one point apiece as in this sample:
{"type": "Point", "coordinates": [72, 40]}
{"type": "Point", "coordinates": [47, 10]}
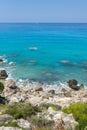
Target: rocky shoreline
{"type": "Point", "coordinates": [34, 93]}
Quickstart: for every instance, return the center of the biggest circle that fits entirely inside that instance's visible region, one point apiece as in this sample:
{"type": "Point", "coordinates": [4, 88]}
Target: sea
{"type": "Point", "coordinates": [45, 52]}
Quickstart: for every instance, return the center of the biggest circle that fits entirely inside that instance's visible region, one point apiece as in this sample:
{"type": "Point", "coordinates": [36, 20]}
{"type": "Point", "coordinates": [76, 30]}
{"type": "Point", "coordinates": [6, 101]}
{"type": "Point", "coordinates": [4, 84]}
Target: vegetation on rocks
{"type": "Point", "coordinates": [79, 111]}
{"type": "Point", "coordinates": [1, 86]}
{"type": "Point", "coordinates": [41, 123]}
{"type": "Point", "coordinates": [20, 110]}
{"type": "Point", "coordinates": [10, 124]}
{"type": "Point", "coordinates": [53, 106]}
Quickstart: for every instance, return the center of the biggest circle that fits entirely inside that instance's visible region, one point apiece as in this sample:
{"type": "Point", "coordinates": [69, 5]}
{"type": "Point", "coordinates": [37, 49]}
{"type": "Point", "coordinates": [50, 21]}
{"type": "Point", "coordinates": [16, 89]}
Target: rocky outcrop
{"type": "Point", "coordinates": [3, 74]}
{"type": "Point", "coordinates": [62, 121]}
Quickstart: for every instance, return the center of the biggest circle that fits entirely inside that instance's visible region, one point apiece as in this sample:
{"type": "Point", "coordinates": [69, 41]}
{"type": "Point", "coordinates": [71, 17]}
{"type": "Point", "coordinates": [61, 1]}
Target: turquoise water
{"type": "Point", "coordinates": [61, 53]}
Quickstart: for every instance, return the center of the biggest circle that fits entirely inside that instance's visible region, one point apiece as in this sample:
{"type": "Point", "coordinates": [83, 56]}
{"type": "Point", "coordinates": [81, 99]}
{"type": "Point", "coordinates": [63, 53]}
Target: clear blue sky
{"type": "Point", "coordinates": [43, 10]}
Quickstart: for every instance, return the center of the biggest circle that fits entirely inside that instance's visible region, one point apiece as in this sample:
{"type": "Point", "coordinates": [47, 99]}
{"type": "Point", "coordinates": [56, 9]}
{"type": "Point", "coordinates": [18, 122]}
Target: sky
{"type": "Point", "coordinates": [43, 11]}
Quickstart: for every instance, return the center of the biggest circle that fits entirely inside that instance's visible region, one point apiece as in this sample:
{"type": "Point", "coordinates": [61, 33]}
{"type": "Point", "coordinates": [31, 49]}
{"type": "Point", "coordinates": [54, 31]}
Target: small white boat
{"type": "Point", "coordinates": [33, 48]}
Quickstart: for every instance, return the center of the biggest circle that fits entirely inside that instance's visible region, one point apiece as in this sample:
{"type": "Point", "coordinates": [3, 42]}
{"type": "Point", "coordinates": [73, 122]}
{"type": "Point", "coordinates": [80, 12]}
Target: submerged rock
{"type": "Point", "coordinates": [3, 74]}
{"type": "Point", "coordinates": [11, 63]}
{"type": "Point", "coordinates": [33, 48]}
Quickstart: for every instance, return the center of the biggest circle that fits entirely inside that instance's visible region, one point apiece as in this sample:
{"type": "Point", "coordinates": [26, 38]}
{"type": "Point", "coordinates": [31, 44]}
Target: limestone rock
{"type": "Point", "coordinates": [59, 125]}
{"type": "Point", "coordinates": [51, 91]}
{"type": "Point", "coordinates": [5, 118]}
{"type": "Point", "coordinates": [38, 89]}
{"type": "Point", "coordinates": [10, 84]}
{"type": "Point", "coordinates": [9, 128]}
{"type": "Point", "coordinates": [24, 124]}
{"type": "Point", "coordinates": [68, 119]}
{"type": "Point", "coordinates": [81, 86]}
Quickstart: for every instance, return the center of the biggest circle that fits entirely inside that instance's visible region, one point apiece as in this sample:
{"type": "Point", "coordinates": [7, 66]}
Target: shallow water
{"type": "Point", "coordinates": [61, 51]}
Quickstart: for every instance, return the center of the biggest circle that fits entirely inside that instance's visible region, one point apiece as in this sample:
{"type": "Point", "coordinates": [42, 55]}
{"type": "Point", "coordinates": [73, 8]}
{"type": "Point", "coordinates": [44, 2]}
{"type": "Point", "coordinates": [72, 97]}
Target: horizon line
{"type": "Point", "coordinates": [43, 22]}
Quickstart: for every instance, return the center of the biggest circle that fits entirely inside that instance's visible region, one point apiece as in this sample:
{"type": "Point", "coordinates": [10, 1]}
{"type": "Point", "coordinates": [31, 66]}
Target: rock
{"type": "Point", "coordinates": [67, 93]}
{"type": "Point", "coordinates": [11, 63]}
{"type": "Point", "coordinates": [72, 82]}
{"type": "Point", "coordinates": [68, 119]}
{"type": "Point", "coordinates": [38, 89]}
{"type": "Point", "coordinates": [75, 87]}
{"type": "Point", "coordinates": [8, 93]}
{"type": "Point", "coordinates": [3, 74]}
{"type": "Point", "coordinates": [51, 91]}
{"type": "Point", "coordinates": [10, 84]}
{"type": "Point", "coordinates": [69, 122]}
{"type": "Point", "coordinates": [33, 48]}
{"type": "Point", "coordinates": [59, 125]}
{"type": "Point", "coordinates": [9, 128]}
{"type": "Point", "coordinates": [5, 118]}
{"type": "Point", "coordinates": [24, 124]}
{"type": "Point", "coordinates": [1, 60]}
{"type": "Point", "coordinates": [2, 100]}
{"type": "Point", "coordinates": [63, 90]}
{"type": "Point", "coordinates": [81, 86]}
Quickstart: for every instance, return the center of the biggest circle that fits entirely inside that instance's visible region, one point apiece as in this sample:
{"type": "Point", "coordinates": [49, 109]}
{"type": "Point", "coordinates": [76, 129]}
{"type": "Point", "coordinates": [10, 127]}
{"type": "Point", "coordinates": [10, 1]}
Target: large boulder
{"type": "Point", "coordinates": [3, 74]}
{"type": "Point", "coordinates": [72, 82]}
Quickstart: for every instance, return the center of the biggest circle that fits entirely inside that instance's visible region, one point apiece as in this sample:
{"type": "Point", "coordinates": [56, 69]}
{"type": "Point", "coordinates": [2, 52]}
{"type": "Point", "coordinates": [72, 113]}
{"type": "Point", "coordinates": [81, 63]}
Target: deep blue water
{"type": "Point", "coordinates": [61, 54]}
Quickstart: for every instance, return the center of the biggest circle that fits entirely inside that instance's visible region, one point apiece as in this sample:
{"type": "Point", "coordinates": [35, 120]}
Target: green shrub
{"type": "Point", "coordinates": [10, 124]}
{"type": "Point", "coordinates": [79, 111]}
{"type": "Point", "coordinates": [20, 110]}
{"type": "Point", "coordinates": [1, 86]}
{"type": "Point", "coordinates": [53, 106]}
{"type": "Point", "coordinates": [40, 122]}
